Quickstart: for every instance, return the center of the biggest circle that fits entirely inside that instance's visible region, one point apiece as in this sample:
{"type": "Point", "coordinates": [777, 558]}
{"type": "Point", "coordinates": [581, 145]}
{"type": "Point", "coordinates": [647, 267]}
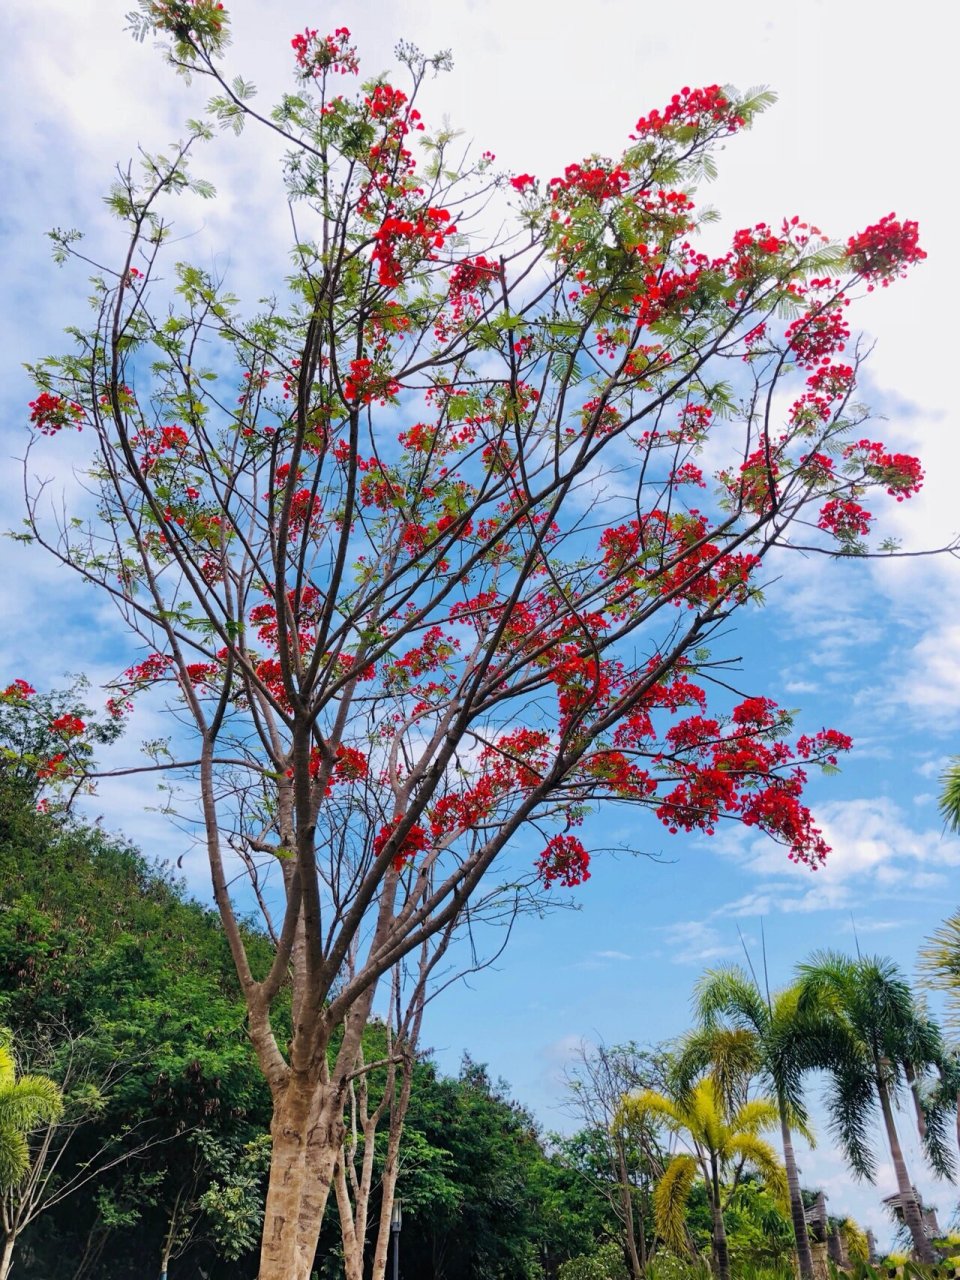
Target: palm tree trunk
{"type": "Point", "coordinates": [908, 1201]}
{"type": "Point", "coordinates": [797, 1215]}
{"type": "Point", "coordinates": [914, 1085]}
{"type": "Point", "coordinates": [721, 1253]}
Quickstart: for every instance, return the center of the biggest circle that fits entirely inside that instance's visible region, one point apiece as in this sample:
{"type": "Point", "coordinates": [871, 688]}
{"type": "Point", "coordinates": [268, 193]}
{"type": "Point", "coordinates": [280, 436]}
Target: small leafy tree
{"type": "Point", "coordinates": [423, 547]}
{"type": "Point", "coordinates": [596, 1083]}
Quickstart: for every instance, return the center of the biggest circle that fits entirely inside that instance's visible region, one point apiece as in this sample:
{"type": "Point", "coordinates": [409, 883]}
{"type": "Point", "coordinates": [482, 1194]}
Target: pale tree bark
{"type": "Point", "coordinates": [355, 1180]}
{"type": "Point", "coordinates": [908, 1200]}
{"type": "Point", "coordinates": [797, 1215]}
{"type": "Point", "coordinates": [170, 1238]}
{"type": "Point", "coordinates": [6, 1256]}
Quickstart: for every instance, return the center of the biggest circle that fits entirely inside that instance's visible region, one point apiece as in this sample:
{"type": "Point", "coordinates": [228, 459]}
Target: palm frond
{"type": "Point", "coordinates": [728, 992]}
{"type": "Point", "coordinates": [760, 1156]}
{"type": "Point", "coordinates": [14, 1158]}
{"type": "Point", "coordinates": [670, 1198]}
{"type": "Point", "coordinates": [31, 1101]}
{"type": "Point", "coordinates": [940, 964]}
{"type": "Point", "coordinates": [634, 1108]}
{"type": "Point", "coordinates": [950, 795]}
{"type": "Point", "coordinates": [855, 1239]}
{"type": "Point", "coordinates": [756, 1116]}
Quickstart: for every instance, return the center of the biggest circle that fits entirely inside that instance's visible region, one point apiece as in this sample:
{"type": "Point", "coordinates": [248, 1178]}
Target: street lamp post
{"type": "Point", "coordinates": [396, 1222]}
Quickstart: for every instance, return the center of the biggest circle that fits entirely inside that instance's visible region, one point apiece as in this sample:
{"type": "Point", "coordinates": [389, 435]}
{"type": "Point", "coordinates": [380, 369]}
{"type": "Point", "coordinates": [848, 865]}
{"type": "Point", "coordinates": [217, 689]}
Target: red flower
{"type": "Point", "coordinates": [19, 691]}
{"type": "Point", "coordinates": [564, 860]}
{"type": "Point", "coordinates": [885, 250]}
{"type": "Point", "coordinates": [68, 725]}
{"type": "Point", "coordinates": [49, 413]}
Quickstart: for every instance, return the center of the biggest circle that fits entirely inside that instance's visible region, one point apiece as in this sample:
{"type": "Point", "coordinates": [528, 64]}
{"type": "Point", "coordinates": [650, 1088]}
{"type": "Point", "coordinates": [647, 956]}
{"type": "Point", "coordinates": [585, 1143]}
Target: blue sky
{"type": "Point", "coordinates": [870, 648]}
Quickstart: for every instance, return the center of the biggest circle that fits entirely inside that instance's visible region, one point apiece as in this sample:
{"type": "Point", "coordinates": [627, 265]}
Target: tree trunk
{"type": "Point", "coordinates": [914, 1084]}
{"type": "Point", "coordinates": [797, 1215]}
{"type": "Point", "coordinates": [721, 1253]}
{"type": "Point", "coordinates": [636, 1267]}
{"type": "Point", "coordinates": [294, 1107]}
{"type": "Point", "coordinates": [908, 1201]}
{"type": "Point", "coordinates": [6, 1255]}
{"type": "Point", "coordinates": [170, 1237]}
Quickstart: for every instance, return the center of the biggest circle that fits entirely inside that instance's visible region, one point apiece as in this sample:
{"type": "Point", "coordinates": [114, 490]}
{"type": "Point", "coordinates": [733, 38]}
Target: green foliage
{"type": "Point", "coordinates": [606, 1263]}
{"type": "Point", "coordinates": [109, 972]}
{"type": "Point", "coordinates": [669, 1266]}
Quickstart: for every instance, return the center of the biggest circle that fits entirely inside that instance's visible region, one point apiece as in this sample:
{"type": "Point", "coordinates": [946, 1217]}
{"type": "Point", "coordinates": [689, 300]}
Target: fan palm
{"type": "Point", "coordinates": [721, 1145]}
{"type": "Point", "coordinates": [875, 1032]}
{"type": "Point", "coordinates": [781, 1035]}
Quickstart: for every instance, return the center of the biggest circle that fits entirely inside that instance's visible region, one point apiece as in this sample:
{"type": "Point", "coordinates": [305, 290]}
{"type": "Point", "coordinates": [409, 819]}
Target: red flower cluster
{"type": "Point", "coordinates": [365, 385]}
{"type": "Point", "coordinates": [596, 183]}
{"type": "Point", "coordinates": [885, 250]}
{"type": "Point", "coordinates": [57, 766]}
{"type": "Point", "coordinates": [49, 413]}
{"type": "Point", "coordinates": [564, 860]}
{"type": "Point", "coordinates": [751, 246]}
{"type": "Point", "coordinates": [735, 772]}
{"type": "Point", "coordinates": [68, 725]}
{"type": "Point", "coordinates": [202, 673]}
{"type": "Point", "coordinates": [188, 17]}
{"type": "Point", "coordinates": [844, 518]}
{"type": "Point", "coordinates": [469, 279]}
{"type": "Point", "coordinates": [328, 53]}
{"type": "Point", "coordinates": [832, 380]}
{"type": "Point", "coordinates": [400, 238]}
{"type": "Point", "coordinates": [152, 668]}
{"type": "Point", "coordinates": [819, 335]}
{"type": "Point", "coordinates": [900, 472]}
{"type": "Point", "coordinates": [19, 691]}
{"type": "Point", "coordinates": [692, 107]}
{"type": "Point", "coordinates": [414, 842]}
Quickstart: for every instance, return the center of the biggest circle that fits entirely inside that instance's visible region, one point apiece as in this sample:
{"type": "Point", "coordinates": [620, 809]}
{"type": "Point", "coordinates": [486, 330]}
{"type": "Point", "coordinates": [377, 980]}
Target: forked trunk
{"type": "Point", "coordinates": [797, 1215]}
{"type": "Point", "coordinates": [908, 1200]}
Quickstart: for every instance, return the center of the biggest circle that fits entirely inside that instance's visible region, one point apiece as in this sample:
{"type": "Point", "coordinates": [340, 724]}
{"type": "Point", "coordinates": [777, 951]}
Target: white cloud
{"type": "Point", "coordinates": [875, 853]}
{"type": "Point", "coordinates": [695, 942]}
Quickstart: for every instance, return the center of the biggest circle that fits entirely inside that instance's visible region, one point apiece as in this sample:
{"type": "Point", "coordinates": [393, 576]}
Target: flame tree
{"type": "Point", "coordinates": [427, 551]}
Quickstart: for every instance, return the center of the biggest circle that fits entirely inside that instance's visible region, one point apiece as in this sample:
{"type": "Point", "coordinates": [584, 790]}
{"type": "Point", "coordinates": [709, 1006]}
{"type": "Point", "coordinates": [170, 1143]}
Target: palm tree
{"type": "Point", "coordinates": [950, 795]}
{"type": "Point", "coordinates": [26, 1101]}
{"type": "Point", "coordinates": [721, 1146]}
{"type": "Point", "coordinates": [782, 1039]}
{"type": "Point", "coordinates": [875, 1031]}
{"type": "Point", "coordinates": [940, 961]}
